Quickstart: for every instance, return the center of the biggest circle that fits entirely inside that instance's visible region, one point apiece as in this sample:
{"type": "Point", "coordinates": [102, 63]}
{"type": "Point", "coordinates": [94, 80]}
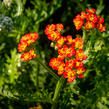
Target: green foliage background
{"type": "Point", "coordinates": [24, 85]}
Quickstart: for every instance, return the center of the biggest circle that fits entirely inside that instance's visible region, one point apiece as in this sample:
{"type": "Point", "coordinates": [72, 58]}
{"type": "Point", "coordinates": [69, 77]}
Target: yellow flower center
{"type": "Point", "coordinates": [101, 25]}
{"type": "Point", "coordinates": [89, 25]}
{"type": "Point", "coordinates": [80, 71]}
{"type": "Point", "coordinates": [77, 23]}
{"type": "Point", "coordinates": [77, 63]}
{"type": "Point", "coordinates": [61, 41]}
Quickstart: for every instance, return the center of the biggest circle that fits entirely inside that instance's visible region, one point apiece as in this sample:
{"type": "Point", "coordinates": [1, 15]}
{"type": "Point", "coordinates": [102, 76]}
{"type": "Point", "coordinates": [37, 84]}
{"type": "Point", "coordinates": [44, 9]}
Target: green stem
{"type": "Point", "coordinates": [84, 38]}
{"type": "Point", "coordinates": [84, 34]}
{"type": "Point", "coordinates": [57, 92]}
{"type": "Point", "coordinates": [19, 7]}
{"type": "Point", "coordinates": [38, 69]}
{"type": "Point", "coordinates": [37, 80]}
{"type": "Point", "coordinates": [47, 68]}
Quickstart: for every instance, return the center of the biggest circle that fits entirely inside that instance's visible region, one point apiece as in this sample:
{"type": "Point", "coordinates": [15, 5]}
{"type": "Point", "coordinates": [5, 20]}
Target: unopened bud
{"type": "Point", "coordinates": [52, 44]}
{"type": "Point", "coordinates": [56, 48]}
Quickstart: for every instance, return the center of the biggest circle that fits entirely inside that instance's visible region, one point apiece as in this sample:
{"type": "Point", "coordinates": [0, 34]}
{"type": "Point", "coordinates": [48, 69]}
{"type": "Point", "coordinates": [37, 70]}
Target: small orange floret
{"type": "Point", "coordinates": [70, 52]}
{"type": "Point", "coordinates": [32, 53]}
{"type": "Point", "coordinates": [61, 51]}
{"type": "Point", "coordinates": [92, 11]}
{"type": "Point", "coordinates": [89, 25]}
{"type": "Point", "coordinates": [61, 68]}
{"type": "Point", "coordinates": [71, 79]}
{"type": "Point", "coordinates": [70, 75]}
{"type": "Point", "coordinates": [49, 29]}
{"type": "Point", "coordinates": [54, 63]}
{"type": "Point", "coordinates": [61, 57]}
{"type": "Point", "coordinates": [66, 51]}
{"type": "Point", "coordinates": [92, 18]}
{"type": "Point", "coordinates": [29, 38]}
{"type": "Point", "coordinates": [54, 35]}
{"type": "Point", "coordinates": [78, 64]}
{"type": "Point", "coordinates": [80, 76]}
{"type": "Point", "coordinates": [80, 55]}
{"type": "Point", "coordinates": [80, 70]}
{"type": "Point", "coordinates": [78, 22]}
{"type": "Point", "coordinates": [25, 38]}
{"type": "Point", "coordinates": [22, 46]}
{"type": "Point", "coordinates": [59, 27]}
{"type": "Point", "coordinates": [28, 55]}
{"type": "Point", "coordinates": [60, 41]}
{"type": "Point", "coordinates": [69, 40]}
{"type": "Point", "coordinates": [100, 19]}
{"type": "Point", "coordinates": [69, 64]}
{"type": "Point", "coordinates": [79, 43]}
{"type": "Point", "coordinates": [101, 27]}
{"type": "Point", "coordinates": [83, 15]}
{"type": "Point", "coordinates": [34, 36]}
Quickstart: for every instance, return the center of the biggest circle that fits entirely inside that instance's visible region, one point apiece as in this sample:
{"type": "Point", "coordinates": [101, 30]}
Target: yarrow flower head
{"type": "Point", "coordinates": [70, 53]}
{"type": "Point", "coordinates": [53, 31]}
{"type": "Point", "coordinates": [25, 46]}
{"type": "Point", "coordinates": [28, 55]}
{"type": "Point", "coordinates": [78, 21]}
{"type": "Point", "coordinates": [90, 20]}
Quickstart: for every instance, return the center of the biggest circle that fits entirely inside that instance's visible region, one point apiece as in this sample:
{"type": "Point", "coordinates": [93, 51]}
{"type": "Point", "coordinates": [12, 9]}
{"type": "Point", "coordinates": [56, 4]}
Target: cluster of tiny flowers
{"type": "Point", "coordinates": [70, 54]}
{"type": "Point", "coordinates": [24, 46]}
{"type": "Point", "coordinates": [53, 31]}
{"type": "Point", "coordinates": [6, 24]}
{"type": "Point", "coordinates": [89, 20]}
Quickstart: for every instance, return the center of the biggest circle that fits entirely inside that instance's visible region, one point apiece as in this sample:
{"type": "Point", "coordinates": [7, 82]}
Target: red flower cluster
{"type": "Point", "coordinates": [89, 20]}
{"type": "Point", "coordinates": [24, 44]}
{"type": "Point", "coordinates": [70, 54]}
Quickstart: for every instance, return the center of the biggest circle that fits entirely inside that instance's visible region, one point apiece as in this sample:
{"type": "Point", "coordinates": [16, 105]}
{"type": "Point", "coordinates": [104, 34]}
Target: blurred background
{"type": "Point", "coordinates": [28, 85]}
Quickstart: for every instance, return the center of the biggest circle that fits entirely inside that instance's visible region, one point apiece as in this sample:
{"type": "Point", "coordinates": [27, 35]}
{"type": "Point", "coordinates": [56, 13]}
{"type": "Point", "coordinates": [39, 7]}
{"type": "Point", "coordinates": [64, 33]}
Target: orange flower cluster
{"type": "Point", "coordinates": [53, 31]}
{"type": "Point", "coordinates": [89, 20]}
{"type": "Point", "coordinates": [70, 56]}
{"type": "Point", "coordinates": [23, 46]}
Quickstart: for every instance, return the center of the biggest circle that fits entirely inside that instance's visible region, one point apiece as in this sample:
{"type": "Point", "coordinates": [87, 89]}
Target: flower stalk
{"type": "Point", "coordinates": [57, 92]}
{"type": "Point", "coordinates": [37, 74]}
{"type": "Point", "coordinates": [84, 34]}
